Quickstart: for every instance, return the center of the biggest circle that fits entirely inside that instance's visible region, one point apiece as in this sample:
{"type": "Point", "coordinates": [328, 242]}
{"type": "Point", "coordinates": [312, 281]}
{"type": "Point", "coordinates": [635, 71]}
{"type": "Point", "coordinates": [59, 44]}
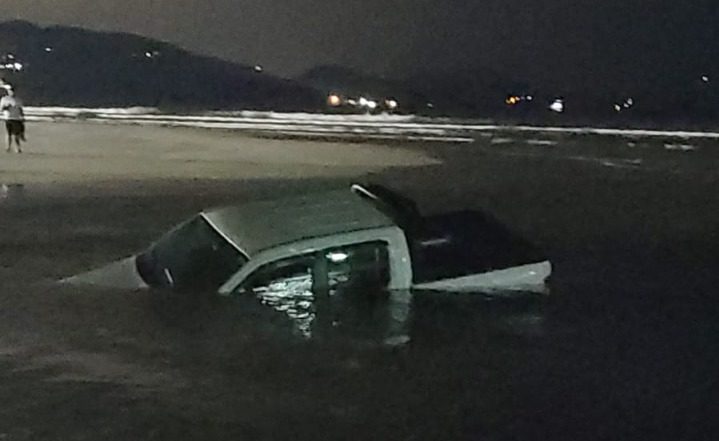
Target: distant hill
{"type": "Point", "coordinates": [76, 67]}
{"type": "Point", "coordinates": [66, 66]}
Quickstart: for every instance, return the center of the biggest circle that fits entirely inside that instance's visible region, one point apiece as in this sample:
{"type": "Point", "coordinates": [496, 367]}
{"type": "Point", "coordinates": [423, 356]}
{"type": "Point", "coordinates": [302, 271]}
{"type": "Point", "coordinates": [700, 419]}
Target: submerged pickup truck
{"type": "Point", "coordinates": [365, 237]}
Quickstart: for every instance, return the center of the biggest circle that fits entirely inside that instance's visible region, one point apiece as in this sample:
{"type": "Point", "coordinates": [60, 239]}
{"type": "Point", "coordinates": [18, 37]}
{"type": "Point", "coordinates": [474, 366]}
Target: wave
{"type": "Point", "coordinates": [381, 124]}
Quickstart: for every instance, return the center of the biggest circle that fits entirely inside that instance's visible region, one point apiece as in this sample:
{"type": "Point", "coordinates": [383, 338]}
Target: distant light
{"type": "Point", "coordinates": [557, 106]}
{"type": "Point", "coordinates": [363, 101]}
{"type": "Point", "coordinates": [391, 104]}
{"type": "Point", "coordinates": [625, 104]}
{"type": "Point", "coordinates": [48, 49]}
{"type": "Point", "coordinates": [10, 56]}
{"type": "Point", "coordinates": [516, 99]}
{"type": "Point", "coordinates": [430, 105]}
{"type": "Point", "coordinates": [371, 104]}
{"type": "Point", "coordinates": [16, 66]}
{"type": "Point", "coordinates": [151, 54]}
{"type": "Point", "coordinates": [705, 78]}
{"type": "Point", "coordinates": [258, 68]}
{"type": "Point", "coordinates": [334, 100]}
{"type": "Point", "coordinates": [352, 102]}
{"type": "Point", "coordinates": [337, 256]}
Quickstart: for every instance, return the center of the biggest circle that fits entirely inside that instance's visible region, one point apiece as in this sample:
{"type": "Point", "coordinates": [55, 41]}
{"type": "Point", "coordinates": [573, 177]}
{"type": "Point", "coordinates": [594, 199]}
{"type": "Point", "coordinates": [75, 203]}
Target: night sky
{"type": "Point", "coordinates": [560, 41]}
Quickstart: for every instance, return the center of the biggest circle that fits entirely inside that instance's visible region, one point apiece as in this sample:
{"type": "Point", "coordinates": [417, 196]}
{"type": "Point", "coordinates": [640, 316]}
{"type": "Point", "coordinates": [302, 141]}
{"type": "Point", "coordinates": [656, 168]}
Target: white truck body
{"type": "Point", "coordinates": [269, 231]}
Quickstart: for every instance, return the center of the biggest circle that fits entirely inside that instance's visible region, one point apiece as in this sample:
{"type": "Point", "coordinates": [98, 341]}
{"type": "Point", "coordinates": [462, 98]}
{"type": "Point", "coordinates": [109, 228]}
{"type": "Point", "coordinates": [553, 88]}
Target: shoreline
{"type": "Point", "coordinates": [353, 127]}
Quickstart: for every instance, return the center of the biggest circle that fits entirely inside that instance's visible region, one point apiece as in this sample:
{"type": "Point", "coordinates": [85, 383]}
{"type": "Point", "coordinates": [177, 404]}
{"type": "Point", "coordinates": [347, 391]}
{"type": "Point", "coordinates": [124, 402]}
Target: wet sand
{"type": "Point", "coordinates": [624, 348]}
{"type": "Point", "coordinates": [82, 152]}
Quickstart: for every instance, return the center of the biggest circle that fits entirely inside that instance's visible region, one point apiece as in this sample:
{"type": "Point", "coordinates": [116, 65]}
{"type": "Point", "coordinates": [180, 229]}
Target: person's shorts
{"type": "Point", "coordinates": [15, 128]}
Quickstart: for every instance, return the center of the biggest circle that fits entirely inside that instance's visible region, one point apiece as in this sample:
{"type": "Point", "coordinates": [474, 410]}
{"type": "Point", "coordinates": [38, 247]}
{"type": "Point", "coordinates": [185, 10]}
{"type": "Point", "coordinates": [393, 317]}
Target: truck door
{"type": "Point", "coordinates": [358, 301]}
{"type": "Point", "coordinates": [339, 287]}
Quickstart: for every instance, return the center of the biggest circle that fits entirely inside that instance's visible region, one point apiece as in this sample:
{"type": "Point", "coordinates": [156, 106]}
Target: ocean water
{"type": "Point", "coordinates": [626, 346]}
{"type": "Point", "coordinates": [351, 127]}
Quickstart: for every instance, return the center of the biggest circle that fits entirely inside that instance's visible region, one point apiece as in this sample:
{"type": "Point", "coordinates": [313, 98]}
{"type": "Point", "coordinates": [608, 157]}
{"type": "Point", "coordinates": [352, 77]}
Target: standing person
{"type": "Point", "coordinates": [14, 119]}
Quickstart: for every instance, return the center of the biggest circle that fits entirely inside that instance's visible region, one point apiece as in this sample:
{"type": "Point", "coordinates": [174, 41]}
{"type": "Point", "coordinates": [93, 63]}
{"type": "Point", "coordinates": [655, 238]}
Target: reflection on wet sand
{"type": "Point", "coordinates": [10, 193]}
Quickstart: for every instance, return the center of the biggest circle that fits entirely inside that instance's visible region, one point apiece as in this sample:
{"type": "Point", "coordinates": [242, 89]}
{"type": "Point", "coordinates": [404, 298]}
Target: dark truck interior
{"type": "Point", "coordinates": [454, 244]}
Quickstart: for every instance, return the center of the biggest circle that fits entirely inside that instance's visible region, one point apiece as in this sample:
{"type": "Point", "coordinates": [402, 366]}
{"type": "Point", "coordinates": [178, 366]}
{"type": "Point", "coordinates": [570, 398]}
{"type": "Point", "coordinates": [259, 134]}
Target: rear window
{"type": "Point", "coordinates": [466, 243]}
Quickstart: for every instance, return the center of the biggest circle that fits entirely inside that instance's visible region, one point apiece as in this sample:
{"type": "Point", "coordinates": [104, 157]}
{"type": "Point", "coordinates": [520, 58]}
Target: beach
{"type": "Point", "coordinates": [625, 345]}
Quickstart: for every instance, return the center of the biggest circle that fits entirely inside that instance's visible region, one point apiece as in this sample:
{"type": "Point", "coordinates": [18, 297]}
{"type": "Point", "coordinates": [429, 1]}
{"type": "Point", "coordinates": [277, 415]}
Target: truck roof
{"type": "Point", "coordinates": [257, 226]}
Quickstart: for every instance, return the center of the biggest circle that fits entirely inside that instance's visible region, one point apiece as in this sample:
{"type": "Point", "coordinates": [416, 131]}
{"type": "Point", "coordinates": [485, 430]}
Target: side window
{"type": "Point", "coordinates": [286, 286]}
{"type": "Point", "coordinates": [364, 265]}
{"type": "Point", "coordinates": [313, 286]}
{"type": "Point", "coordinates": [357, 265]}
{"type": "Point", "coordinates": [282, 271]}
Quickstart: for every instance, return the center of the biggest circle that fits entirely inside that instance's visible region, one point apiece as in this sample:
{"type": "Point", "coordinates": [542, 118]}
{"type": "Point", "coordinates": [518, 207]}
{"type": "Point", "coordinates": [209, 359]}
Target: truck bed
{"type": "Point", "coordinates": [458, 244]}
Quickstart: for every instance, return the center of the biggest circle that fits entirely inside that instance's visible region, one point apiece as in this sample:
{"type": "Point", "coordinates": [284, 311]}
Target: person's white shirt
{"type": "Point", "coordinates": [12, 109]}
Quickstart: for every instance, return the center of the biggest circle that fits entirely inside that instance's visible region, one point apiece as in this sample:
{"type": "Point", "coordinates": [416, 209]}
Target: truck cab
{"type": "Point", "coordinates": [369, 229]}
{"type": "Point", "coordinates": [333, 250]}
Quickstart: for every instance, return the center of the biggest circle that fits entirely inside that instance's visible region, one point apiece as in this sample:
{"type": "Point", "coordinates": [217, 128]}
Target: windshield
{"type": "Point", "coordinates": [192, 256]}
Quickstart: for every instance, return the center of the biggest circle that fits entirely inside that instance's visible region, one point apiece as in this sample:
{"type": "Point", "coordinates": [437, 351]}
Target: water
{"type": "Point", "coordinates": [353, 127]}
{"type": "Point", "coordinates": [625, 347]}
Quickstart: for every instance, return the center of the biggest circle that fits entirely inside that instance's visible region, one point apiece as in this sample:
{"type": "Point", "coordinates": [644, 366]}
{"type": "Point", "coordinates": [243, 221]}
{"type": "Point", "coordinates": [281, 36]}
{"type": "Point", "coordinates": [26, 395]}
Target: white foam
{"type": "Point", "coordinates": [680, 147]}
{"type": "Point", "coordinates": [619, 164]}
{"type": "Point", "coordinates": [31, 110]}
{"type": "Point", "coordinates": [613, 132]}
{"type": "Point", "coordinates": [541, 142]}
{"type": "Point", "coordinates": [382, 117]}
{"type": "Point", "coordinates": [610, 162]}
{"type": "Point", "coordinates": [270, 125]}
{"type": "Point", "coordinates": [352, 123]}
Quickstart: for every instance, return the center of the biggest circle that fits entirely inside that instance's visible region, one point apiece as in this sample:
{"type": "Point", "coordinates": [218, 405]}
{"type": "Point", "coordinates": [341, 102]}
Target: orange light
{"type": "Point", "coordinates": [391, 104]}
{"type": "Point", "coordinates": [334, 100]}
